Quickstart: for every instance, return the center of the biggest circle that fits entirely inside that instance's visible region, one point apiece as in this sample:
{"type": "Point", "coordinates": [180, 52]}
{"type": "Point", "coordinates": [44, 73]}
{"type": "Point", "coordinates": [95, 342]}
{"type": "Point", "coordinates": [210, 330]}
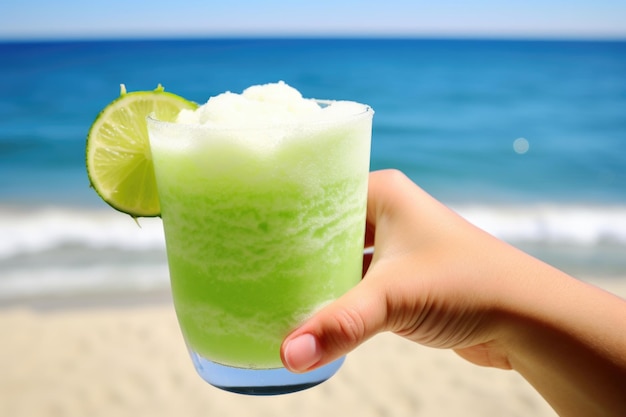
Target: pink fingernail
{"type": "Point", "coordinates": [302, 352]}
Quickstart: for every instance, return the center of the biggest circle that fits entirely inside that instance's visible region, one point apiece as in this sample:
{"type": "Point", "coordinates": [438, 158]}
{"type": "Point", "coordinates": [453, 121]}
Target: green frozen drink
{"type": "Point", "coordinates": [263, 200]}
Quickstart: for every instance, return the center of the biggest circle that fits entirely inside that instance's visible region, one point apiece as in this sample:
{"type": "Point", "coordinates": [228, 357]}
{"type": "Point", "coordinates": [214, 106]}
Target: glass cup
{"type": "Point", "coordinates": [263, 227]}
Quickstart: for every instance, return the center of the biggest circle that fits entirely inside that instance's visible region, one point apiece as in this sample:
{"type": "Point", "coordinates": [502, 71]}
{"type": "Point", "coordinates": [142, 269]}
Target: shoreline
{"type": "Point", "coordinates": [89, 301]}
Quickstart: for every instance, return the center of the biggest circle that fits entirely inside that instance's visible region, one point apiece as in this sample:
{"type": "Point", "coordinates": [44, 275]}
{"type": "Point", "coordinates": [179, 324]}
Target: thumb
{"type": "Point", "coordinates": [336, 329]}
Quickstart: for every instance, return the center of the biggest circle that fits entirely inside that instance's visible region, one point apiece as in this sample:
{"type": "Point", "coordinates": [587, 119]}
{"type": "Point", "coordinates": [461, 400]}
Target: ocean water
{"type": "Point", "coordinates": [527, 139]}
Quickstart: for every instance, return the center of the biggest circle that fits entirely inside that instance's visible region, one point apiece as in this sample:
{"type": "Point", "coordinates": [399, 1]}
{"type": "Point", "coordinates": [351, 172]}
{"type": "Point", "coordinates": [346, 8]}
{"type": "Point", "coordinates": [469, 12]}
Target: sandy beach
{"type": "Point", "coordinates": [129, 360]}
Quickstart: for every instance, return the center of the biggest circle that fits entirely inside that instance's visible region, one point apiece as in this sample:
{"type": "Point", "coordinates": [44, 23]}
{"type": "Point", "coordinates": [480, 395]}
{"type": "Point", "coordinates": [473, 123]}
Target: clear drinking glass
{"type": "Point", "coordinates": [263, 227]}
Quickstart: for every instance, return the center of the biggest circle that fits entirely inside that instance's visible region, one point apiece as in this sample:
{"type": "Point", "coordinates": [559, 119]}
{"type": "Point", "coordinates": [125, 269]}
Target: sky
{"type": "Point", "coordinates": [72, 19]}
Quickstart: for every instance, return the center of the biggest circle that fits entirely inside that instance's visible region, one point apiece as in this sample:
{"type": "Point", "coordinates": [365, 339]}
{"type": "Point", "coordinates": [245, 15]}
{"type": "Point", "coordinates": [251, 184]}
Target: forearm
{"type": "Point", "coordinates": [568, 340]}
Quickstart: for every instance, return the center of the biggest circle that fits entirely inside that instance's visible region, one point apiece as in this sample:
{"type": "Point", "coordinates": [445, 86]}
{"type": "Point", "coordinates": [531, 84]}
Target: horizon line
{"type": "Point", "coordinates": [314, 36]}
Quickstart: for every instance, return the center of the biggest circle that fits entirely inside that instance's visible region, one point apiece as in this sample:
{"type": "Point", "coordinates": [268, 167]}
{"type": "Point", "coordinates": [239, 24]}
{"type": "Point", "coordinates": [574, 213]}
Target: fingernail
{"type": "Point", "coordinates": [302, 352]}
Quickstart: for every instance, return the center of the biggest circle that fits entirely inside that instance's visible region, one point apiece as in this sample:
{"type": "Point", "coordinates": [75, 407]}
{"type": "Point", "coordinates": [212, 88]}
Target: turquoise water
{"type": "Point", "coordinates": [525, 138]}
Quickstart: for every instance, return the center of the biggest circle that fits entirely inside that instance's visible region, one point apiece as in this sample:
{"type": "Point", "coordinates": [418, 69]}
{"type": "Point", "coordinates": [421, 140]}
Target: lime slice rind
{"type": "Point", "coordinates": [118, 158]}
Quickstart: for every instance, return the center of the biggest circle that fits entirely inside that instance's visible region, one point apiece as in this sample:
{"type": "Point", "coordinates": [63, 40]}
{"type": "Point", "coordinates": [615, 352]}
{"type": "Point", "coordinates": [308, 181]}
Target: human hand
{"type": "Point", "coordinates": [431, 280]}
{"type": "Point", "coordinates": [439, 281]}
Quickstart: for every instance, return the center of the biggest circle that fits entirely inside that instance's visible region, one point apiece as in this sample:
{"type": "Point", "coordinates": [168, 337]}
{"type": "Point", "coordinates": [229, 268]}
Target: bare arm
{"type": "Point", "coordinates": [568, 339]}
{"type": "Point", "coordinates": [438, 280]}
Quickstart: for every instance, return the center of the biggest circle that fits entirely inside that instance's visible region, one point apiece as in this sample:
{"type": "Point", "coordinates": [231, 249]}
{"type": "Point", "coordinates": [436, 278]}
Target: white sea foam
{"type": "Point", "coordinates": [572, 225]}
{"type": "Point", "coordinates": [52, 251]}
{"type": "Point", "coordinates": [39, 230]}
{"type": "Point", "coordinates": [36, 231]}
{"type": "Point", "coordinates": [71, 251]}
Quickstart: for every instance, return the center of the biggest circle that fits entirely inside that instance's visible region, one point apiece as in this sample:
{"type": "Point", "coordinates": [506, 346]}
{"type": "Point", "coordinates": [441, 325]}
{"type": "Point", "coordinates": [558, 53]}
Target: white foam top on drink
{"type": "Point", "coordinates": [265, 106]}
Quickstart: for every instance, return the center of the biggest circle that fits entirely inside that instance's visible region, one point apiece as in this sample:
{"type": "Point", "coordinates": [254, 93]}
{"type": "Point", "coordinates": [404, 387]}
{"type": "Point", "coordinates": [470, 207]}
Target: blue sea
{"type": "Point", "coordinates": [526, 139]}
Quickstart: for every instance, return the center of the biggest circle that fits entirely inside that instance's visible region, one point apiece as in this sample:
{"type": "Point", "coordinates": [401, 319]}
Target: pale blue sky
{"type": "Point", "coordinates": [24, 19]}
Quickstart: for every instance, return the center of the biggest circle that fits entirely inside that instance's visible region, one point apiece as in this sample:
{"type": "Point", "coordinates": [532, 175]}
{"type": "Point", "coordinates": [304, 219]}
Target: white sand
{"type": "Point", "coordinates": [131, 361]}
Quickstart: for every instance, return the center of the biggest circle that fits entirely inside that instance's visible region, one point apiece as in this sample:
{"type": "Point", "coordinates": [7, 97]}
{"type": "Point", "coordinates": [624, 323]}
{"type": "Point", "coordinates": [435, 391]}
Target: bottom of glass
{"type": "Point", "coordinates": [260, 381]}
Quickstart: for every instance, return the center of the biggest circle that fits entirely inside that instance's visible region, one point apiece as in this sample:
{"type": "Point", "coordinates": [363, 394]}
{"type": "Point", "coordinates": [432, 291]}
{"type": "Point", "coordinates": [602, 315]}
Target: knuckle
{"type": "Point", "coordinates": [350, 327]}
